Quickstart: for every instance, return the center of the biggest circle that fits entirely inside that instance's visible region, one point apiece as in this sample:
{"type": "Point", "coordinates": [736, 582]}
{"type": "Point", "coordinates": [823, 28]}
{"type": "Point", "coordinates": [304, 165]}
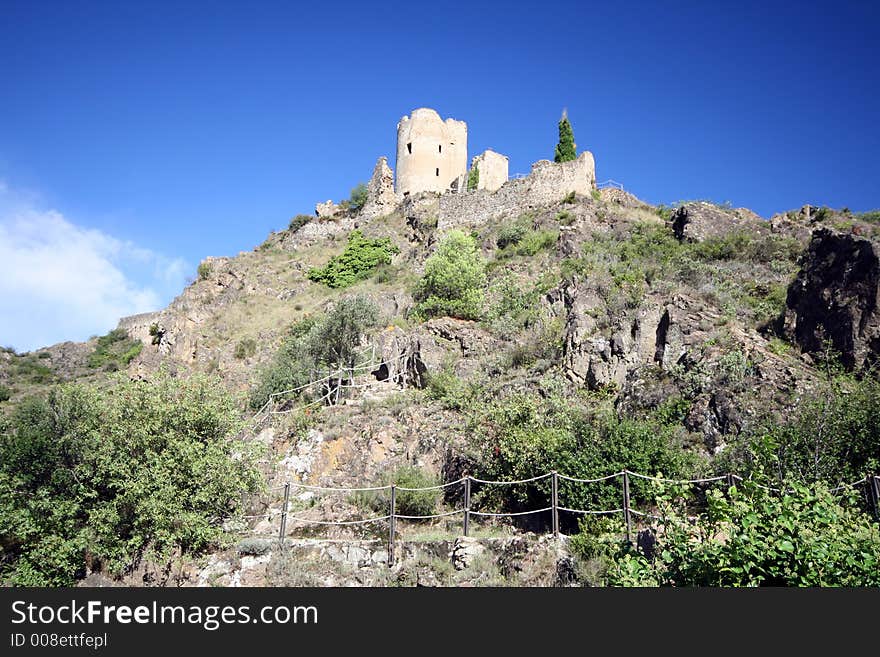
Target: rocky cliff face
{"type": "Point", "coordinates": [833, 301]}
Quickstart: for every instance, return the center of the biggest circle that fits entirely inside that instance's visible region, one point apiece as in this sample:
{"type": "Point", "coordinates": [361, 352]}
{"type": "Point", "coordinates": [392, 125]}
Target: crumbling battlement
{"type": "Point", "coordinates": [547, 183]}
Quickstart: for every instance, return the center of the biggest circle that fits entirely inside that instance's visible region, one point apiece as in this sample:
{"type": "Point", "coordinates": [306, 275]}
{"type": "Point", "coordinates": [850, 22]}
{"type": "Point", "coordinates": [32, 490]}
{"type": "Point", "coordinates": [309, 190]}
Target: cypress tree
{"type": "Point", "coordinates": [566, 149]}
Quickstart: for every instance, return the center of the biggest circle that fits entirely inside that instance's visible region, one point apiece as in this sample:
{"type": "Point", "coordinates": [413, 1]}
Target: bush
{"type": "Point", "coordinates": [114, 350]}
{"type": "Point", "coordinates": [407, 502]}
{"type": "Point", "coordinates": [333, 342]}
{"type": "Point", "coordinates": [531, 436]}
{"type": "Point", "coordinates": [473, 180]}
{"type": "Point", "coordinates": [299, 221]}
{"type": "Point", "coordinates": [535, 241]}
{"type": "Point", "coordinates": [357, 262]}
{"type": "Point", "coordinates": [316, 345]}
{"type": "Point", "coordinates": [204, 271]}
{"type": "Point", "coordinates": [832, 437]}
{"type": "Point", "coordinates": [565, 218]}
{"type": "Point", "coordinates": [107, 477]}
{"type": "Point", "coordinates": [454, 280]}
{"type": "Point", "coordinates": [254, 547]}
{"type": "Point", "coordinates": [511, 234]}
{"type": "Point", "coordinates": [358, 197]}
{"type": "Point", "coordinates": [291, 367]}
{"type": "Point", "coordinates": [805, 537]}
{"type": "Point", "coordinates": [5, 393]}
{"type": "Point", "coordinates": [245, 348]}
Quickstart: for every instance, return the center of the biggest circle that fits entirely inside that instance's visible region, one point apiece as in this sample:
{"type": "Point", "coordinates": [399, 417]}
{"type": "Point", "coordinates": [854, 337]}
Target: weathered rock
{"type": "Point", "coordinates": [834, 298]}
{"type": "Point", "coordinates": [465, 550]}
{"type": "Point", "coordinates": [381, 198]}
{"type": "Point", "coordinates": [699, 221]}
{"type": "Point", "coordinates": [326, 209]}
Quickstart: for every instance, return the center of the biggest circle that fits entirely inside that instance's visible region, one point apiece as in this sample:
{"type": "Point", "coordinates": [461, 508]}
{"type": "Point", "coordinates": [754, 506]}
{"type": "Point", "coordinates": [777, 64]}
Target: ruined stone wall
{"type": "Point", "coordinates": [138, 326]}
{"type": "Point", "coordinates": [547, 183]}
{"type": "Point", "coordinates": [493, 168]}
{"type": "Point", "coordinates": [431, 152]}
{"type": "Point", "coordinates": [381, 198]}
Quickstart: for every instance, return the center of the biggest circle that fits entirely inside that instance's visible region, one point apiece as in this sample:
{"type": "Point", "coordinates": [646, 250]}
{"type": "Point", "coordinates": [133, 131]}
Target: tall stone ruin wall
{"type": "Point", "coordinates": [547, 183]}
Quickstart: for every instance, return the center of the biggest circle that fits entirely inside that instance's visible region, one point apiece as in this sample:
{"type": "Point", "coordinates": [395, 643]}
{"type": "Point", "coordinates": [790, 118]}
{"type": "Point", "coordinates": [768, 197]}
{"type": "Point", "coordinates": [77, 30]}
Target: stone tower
{"type": "Point", "coordinates": [431, 152]}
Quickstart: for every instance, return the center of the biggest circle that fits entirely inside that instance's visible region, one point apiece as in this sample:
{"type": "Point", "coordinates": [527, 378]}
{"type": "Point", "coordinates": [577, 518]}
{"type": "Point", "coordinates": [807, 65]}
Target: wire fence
{"type": "Point", "coordinates": [871, 484]}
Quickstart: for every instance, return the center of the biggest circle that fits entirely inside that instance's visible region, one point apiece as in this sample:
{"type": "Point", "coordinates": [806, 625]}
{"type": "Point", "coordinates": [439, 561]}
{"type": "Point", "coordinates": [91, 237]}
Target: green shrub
{"type": "Point", "coordinates": [473, 180]}
{"type": "Point", "coordinates": [833, 436]}
{"type": "Point", "coordinates": [357, 262]}
{"type": "Point", "coordinates": [114, 350]}
{"type": "Point", "coordinates": [407, 502]}
{"type": "Point", "coordinates": [532, 436]}
{"type": "Point", "coordinates": [570, 198]}
{"type": "Point", "coordinates": [535, 241]}
{"type": "Point", "coordinates": [454, 280]}
{"type": "Point", "coordinates": [28, 368]}
{"type": "Point", "coordinates": [245, 348]}
{"type": "Point", "coordinates": [512, 234]}
{"type": "Point", "coordinates": [254, 547]}
{"type": "Point", "coordinates": [204, 271]}
{"type": "Point", "coordinates": [107, 477]}
{"type": "Point", "coordinates": [291, 367]}
{"type": "Point", "coordinates": [358, 197]}
{"type": "Point", "coordinates": [871, 215]}
{"type": "Point", "coordinates": [5, 393]}
{"type": "Point", "coordinates": [316, 346]}
{"type": "Point", "coordinates": [565, 218]}
{"type": "Point", "coordinates": [299, 221]}
{"type": "Point", "coordinates": [806, 537]}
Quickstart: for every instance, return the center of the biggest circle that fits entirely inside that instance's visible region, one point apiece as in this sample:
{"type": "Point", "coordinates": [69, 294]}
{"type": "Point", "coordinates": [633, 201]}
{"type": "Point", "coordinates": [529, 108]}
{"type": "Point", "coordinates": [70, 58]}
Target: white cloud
{"type": "Point", "coordinates": [60, 281]}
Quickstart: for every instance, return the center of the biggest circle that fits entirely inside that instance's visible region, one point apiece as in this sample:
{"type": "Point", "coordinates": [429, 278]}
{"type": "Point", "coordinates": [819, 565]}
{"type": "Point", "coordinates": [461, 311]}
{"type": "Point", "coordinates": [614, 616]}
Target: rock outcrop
{"type": "Point", "coordinates": [695, 222]}
{"type": "Point", "coordinates": [833, 300]}
{"type": "Point", "coordinates": [381, 198]}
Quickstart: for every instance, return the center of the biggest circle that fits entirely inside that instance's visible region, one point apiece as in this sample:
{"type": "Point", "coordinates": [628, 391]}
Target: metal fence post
{"type": "Point", "coordinates": [283, 529]}
{"type": "Point", "coordinates": [555, 503]}
{"type": "Point", "coordinates": [391, 523]}
{"type": "Point", "coordinates": [467, 504]}
{"type": "Point", "coordinates": [873, 482]}
{"type": "Point", "coordinates": [626, 514]}
{"type": "Point", "coordinates": [730, 480]}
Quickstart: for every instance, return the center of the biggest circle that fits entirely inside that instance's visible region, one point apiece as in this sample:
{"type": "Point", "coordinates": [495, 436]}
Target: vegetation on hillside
{"type": "Point", "coordinates": [314, 347]}
{"type": "Point", "coordinates": [454, 280]}
{"type": "Point", "coordinates": [357, 262]}
{"type": "Point", "coordinates": [105, 478]}
{"type": "Point", "coordinates": [749, 536]}
{"type": "Point", "coordinates": [114, 351]}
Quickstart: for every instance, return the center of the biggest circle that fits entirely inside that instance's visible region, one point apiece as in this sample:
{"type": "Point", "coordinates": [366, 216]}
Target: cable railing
{"type": "Point", "coordinates": [871, 483]}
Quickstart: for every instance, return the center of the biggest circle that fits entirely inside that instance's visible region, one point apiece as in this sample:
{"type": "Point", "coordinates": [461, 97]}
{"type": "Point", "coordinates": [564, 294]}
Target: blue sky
{"type": "Point", "coordinates": [138, 138]}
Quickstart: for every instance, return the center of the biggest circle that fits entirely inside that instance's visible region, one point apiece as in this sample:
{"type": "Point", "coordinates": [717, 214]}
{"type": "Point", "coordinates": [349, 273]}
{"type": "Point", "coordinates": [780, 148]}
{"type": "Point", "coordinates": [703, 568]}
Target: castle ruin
{"type": "Point", "coordinates": [431, 170]}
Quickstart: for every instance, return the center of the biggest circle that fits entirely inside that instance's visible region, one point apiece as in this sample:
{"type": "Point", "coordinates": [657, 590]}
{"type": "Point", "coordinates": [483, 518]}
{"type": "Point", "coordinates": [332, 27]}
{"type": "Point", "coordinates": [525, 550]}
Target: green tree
{"type": "Point", "coordinates": [110, 476]}
{"type": "Point", "coordinates": [454, 281]}
{"type": "Point", "coordinates": [334, 342]}
{"type": "Point", "coordinates": [358, 197]}
{"type": "Point", "coordinates": [314, 346]}
{"type": "Point", "coordinates": [566, 149]}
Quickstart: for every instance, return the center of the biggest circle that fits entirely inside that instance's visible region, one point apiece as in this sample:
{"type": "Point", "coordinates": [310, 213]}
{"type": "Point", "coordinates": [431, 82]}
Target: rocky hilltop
{"type": "Point", "coordinates": [710, 315]}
